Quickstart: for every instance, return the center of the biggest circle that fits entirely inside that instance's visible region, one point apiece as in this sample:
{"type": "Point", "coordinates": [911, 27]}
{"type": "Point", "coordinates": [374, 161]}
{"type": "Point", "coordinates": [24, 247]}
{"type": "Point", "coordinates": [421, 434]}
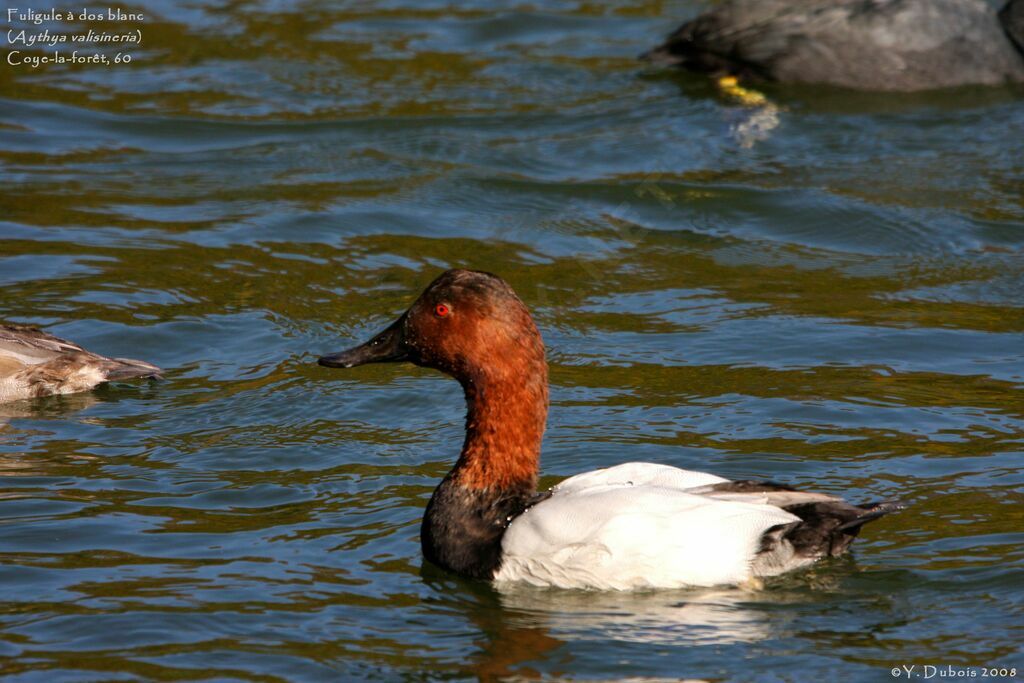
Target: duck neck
{"type": "Point", "coordinates": [506, 413]}
{"type": "Point", "coordinates": [495, 478]}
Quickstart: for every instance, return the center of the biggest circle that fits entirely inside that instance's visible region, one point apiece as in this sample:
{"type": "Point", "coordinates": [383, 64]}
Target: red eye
{"type": "Point", "coordinates": [442, 310]}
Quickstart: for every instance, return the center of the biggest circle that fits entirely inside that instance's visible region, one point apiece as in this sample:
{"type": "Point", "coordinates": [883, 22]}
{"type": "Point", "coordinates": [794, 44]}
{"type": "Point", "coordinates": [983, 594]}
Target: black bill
{"type": "Point", "coordinates": [386, 347]}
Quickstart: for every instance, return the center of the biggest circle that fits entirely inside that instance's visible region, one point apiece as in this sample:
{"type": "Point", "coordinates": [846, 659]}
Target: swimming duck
{"type": "Point", "coordinates": [635, 525]}
{"type": "Point", "coordinates": [895, 45]}
{"type": "Point", "coordinates": [34, 363]}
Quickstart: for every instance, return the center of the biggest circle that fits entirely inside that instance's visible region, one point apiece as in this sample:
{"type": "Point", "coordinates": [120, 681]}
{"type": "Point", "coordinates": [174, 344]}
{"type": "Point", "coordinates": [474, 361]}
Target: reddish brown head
{"type": "Point", "coordinates": [472, 326]}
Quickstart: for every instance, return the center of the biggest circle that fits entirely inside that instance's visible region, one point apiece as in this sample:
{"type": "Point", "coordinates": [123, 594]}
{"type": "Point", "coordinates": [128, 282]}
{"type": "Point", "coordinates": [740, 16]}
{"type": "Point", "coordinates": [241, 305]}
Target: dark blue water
{"type": "Point", "coordinates": [833, 302]}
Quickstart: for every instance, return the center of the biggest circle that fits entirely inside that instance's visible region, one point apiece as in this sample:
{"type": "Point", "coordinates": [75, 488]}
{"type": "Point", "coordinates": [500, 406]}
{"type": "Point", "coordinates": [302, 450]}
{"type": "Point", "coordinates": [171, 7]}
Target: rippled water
{"type": "Point", "coordinates": [837, 303]}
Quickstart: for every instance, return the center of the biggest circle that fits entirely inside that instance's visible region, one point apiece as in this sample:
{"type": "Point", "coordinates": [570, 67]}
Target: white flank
{"type": "Point", "coordinates": [636, 526]}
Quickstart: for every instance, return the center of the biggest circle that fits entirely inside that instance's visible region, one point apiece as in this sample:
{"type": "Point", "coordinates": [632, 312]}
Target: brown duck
{"type": "Point", "coordinates": [34, 363]}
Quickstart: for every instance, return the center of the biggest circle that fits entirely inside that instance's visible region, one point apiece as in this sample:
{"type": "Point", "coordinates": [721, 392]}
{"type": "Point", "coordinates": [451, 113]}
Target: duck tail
{"type": "Point", "coordinates": [828, 528]}
{"type": "Point", "coordinates": [872, 511]}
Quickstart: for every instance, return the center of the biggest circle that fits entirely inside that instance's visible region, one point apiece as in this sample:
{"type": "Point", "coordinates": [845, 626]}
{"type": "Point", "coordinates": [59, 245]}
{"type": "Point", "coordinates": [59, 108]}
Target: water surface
{"type": "Point", "coordinates": [836, 303]}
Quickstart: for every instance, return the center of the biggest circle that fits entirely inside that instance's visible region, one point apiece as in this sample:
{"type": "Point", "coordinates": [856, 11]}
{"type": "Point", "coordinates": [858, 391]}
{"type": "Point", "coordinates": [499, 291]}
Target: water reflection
{"type": "Point", "coordinates": [524, 624]}
{"type": "Point", "coordinates": [694, 617]}
{"type": "Point", "coordinates": [837, 307]}
{"type": "Point", "coordinates": [55, 407]}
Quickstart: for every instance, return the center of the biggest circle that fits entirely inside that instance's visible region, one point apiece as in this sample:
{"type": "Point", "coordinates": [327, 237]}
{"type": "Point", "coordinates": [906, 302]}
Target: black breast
{"type": "Point", "coordinates": [462, 527]}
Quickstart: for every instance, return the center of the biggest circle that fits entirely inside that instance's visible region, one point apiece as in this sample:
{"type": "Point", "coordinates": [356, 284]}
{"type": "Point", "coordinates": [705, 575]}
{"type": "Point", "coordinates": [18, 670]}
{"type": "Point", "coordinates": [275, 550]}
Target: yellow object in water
{"type": "Point", "coordinates": [763, 118]}
{"type": "Point", "coordinates": [730, 85]}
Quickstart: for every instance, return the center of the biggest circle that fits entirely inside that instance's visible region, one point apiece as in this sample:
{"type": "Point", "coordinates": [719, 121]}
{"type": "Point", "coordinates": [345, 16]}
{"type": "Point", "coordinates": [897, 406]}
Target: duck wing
{"type": "Point", "coordinates": [31, 345]}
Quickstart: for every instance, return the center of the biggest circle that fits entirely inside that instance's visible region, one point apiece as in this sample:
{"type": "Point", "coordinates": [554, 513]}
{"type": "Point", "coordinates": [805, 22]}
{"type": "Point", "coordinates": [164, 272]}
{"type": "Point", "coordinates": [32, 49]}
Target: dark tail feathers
{"type": "Point", "coordinates": [871, 511]}
{"type": "Point", "coordinates": [829, 528]}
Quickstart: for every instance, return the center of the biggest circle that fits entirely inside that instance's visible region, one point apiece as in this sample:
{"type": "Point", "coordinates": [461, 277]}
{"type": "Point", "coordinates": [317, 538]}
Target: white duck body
{"type": "Point", "coordinates": [34, 363]}
{"type": "Point", "coordinates": [644, 525]}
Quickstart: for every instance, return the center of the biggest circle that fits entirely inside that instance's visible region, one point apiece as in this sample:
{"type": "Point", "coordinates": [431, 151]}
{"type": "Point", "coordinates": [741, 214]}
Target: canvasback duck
{"type": "Point", "coordinates": [34, 363]}
{"type": "Point", "coordinates": [636, 525]}
{"type": "Point", "coordinates": [881, 45]}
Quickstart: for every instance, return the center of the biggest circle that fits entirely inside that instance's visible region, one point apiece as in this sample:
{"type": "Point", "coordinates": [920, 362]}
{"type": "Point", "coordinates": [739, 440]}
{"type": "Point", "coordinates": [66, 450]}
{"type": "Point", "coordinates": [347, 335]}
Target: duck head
{"type": "Point", "coordinates": [468, 324]}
